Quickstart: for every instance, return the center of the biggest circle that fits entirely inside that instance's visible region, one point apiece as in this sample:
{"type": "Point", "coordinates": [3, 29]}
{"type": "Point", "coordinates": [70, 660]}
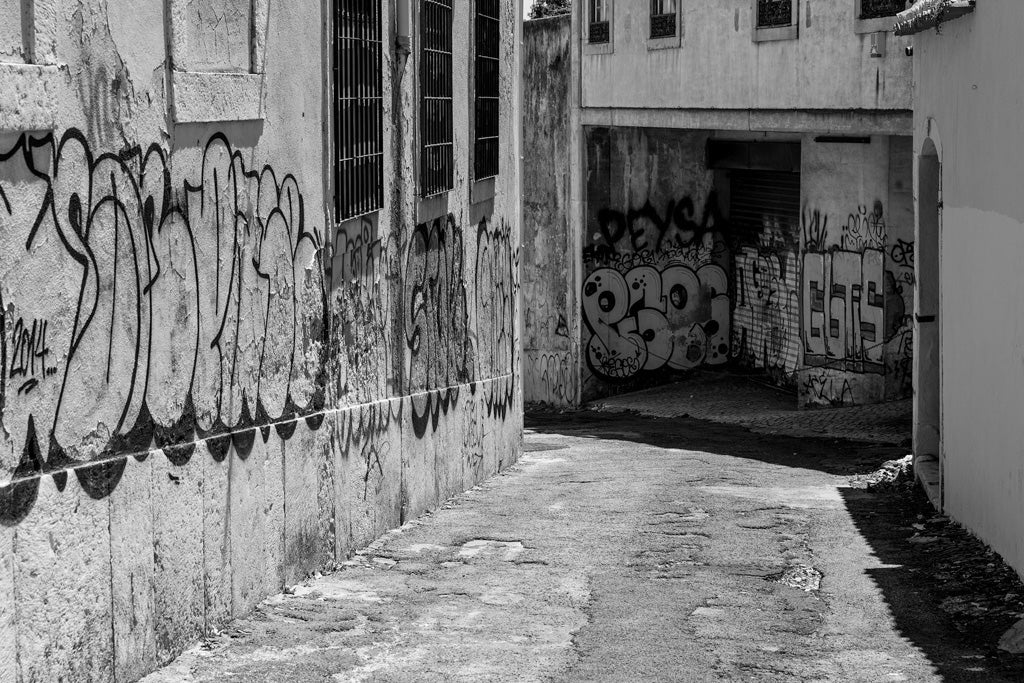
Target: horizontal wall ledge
{"type": "Point", "coordinates": [842, 121]}
{"type": "Point", "coordinates": [30, 96]}
{"type": "Point", "coordinates": [200, 96]}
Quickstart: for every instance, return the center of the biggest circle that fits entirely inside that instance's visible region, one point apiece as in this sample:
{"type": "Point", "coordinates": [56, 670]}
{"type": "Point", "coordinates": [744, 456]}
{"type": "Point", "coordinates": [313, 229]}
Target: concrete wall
{"type": "Point", "coordinates": [551, 333]}
{"type": "Point", "coordinates": [209, 388]}
{"type": "Point", "coordinates": [718, 65]}
{"type": "Point", "coordinates": [655, 295]}
{"type": "Point", "coordinates": [968, 106]}
{"type": "Point", "coordinates": [822, 305]}
{"type": "Point", "coordinates": [857, 277]}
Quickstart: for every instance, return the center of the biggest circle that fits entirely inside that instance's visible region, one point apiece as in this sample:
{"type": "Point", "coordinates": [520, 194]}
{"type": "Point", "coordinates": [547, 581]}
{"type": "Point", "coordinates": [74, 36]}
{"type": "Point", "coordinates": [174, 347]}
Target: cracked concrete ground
{"type": "Point", "coordinates": [621, 548]}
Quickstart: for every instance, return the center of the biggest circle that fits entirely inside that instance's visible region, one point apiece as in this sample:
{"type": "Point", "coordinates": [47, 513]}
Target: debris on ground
{"type": "Point", "coordinates": [802, 576]}
{"type": "Point", "coordinates": [896, 476]}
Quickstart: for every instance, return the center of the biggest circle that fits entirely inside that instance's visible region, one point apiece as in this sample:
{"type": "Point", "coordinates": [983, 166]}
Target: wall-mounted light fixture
{"type": "Point", "coordinates": [878, 44]}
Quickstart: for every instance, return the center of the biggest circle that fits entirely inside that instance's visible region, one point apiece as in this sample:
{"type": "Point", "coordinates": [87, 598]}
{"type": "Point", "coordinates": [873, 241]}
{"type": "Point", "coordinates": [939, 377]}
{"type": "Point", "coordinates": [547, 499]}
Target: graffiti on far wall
{"type": "Point", "coordinates": [656, 296]}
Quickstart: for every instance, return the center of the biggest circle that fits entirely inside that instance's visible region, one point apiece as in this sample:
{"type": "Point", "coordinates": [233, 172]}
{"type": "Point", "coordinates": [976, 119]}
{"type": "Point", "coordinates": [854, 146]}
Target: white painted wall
{"type": "Point", "coordinates": [967, 102]}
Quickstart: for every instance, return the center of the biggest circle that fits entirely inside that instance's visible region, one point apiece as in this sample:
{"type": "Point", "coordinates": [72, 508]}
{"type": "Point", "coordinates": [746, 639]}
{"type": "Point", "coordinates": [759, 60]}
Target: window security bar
{"type": "Point", "coordinates": [487, 83]}
{"type": "Point", "coordinates": [436, 131]}
{"type": "Point", "coordinates": [771, 13]}
{"type": "Point", "coordinates": [358, 124]}
{"type": "Point", "coordinates": [876, 9]}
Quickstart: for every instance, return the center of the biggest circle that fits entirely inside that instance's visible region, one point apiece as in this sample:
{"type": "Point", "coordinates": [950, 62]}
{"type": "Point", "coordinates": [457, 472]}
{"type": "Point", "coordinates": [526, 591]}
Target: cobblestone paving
{"type": "Point", "coordinates": [750, 402]}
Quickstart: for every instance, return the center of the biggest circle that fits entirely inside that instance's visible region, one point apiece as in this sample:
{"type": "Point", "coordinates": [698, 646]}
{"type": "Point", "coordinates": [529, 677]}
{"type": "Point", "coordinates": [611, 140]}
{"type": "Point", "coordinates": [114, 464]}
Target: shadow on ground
{"type": "Point", "coordinates": [832, 456]}
{"type": "Point", "coordinates": [948, 595]}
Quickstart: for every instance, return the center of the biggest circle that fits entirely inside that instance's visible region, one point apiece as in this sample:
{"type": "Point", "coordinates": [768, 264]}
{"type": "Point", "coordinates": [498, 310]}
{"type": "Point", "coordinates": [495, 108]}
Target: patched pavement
{"type": "Point", "coordinates": [626, 548]}
{"type": "Point", "coordinates": [750, 401]}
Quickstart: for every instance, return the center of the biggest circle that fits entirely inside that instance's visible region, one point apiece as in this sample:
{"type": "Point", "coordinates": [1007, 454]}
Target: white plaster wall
{"type": "Point", "coordinates": [967, 102]}
{"type": "Point", "coordinates": [718, 65]}
{"type": "Point", "coordinates": [289, 426]}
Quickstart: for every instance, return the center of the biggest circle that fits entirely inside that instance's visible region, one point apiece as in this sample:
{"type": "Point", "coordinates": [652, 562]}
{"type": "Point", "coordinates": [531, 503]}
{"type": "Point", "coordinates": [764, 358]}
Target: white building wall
{"type": "Point", "coordinates": [718, 64]}
{"type": "Point", "coordinates": [967, 103]}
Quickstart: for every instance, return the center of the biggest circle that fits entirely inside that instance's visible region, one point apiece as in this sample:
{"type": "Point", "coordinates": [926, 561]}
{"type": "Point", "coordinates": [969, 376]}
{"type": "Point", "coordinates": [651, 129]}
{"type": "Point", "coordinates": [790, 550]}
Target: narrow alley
{"type": "Point", "coordinates": [624, 547]}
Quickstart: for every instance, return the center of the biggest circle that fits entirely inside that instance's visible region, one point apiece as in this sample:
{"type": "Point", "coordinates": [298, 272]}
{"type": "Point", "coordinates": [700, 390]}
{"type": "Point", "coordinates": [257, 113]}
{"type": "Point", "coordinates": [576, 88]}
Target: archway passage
{"type": "Point", "coordinates": [927, 326]}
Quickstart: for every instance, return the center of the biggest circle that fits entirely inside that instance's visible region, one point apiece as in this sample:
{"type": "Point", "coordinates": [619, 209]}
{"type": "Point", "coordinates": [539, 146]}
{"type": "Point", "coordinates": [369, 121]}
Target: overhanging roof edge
{"type": "Point", "coordinates": [925, 14]}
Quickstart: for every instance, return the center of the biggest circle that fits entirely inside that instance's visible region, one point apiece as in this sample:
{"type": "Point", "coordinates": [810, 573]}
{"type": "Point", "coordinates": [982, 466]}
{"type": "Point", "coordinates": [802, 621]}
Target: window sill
{"type": "Point", "coordinates": [32, 90]}
{"type": "Point", "coordinates": [598, 48]}
{"type": "Point", "coordinates": [481, 199]}
{"type": "Point", "coordinates": [431, 208]}
{"type": "Point", "coordinates": [665, 43]}
{"type": "Point", "coordinates": [200, 97]}
{"type": "Point", "coordinates": [874, 25]}
{"type": "Point", "coordinates": [764, 35]}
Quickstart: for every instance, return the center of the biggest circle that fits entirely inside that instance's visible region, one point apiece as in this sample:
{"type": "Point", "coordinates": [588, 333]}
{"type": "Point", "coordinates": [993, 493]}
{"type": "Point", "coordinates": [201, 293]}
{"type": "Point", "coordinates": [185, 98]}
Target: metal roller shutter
{"type": "Point", "coordinates": [765, 225]}
{"type": "Point", "coordinates": [757, 195]}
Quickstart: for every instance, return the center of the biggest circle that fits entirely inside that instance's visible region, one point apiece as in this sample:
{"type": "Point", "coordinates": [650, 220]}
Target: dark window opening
{"type": "Point", "coordinates": [771, 13]}
{"type": "Point", "coordinates": [358, 108]}
{"type": "Point", "coordinates": [876, 9]}
{"type": "Point", "coordinates": [436, 131]}
{"type": "Point", "coordinates": [663, 18]}
{"type": "Point", "coordinates": [598, 31]}
{"type": "Point", "coordinates": [486, 80]}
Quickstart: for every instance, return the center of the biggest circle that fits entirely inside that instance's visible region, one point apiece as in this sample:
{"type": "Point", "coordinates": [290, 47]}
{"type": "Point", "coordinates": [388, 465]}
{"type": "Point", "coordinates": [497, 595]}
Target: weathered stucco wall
{"type": "Point", "coordinates": [551, 332]}
{"type": "Point", "coordinates": [857, 276]}
{"type": "Point", "coordinates": [968, 107]}
{"type": "Point", "coordinates": [208, 388]}
{"type": "Point", "coordinates": [655, 295]}
{"type": "Point", "coordinates": [820, 302]}
{"type": "Point", "coordinates": [719, 65]}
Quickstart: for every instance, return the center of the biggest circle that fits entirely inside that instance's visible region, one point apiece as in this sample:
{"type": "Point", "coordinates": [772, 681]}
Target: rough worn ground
{"type": "Point", "coordinates": [632, 548]}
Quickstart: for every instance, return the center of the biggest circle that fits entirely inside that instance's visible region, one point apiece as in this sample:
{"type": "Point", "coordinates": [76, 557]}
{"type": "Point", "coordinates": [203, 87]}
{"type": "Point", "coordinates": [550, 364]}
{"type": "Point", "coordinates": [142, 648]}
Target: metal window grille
{"type": "Point", "coordinates": [438, 161]}
{"type": "Point", "coordinates": [874, 9]}
{"type": "Point", "coordinates": [598, 31]}
{"type": "Point", "coordinates": [488, 42]}
{"type": "Point", "coordinates": [774, 13]}
{"type": "Point", "coordinates": [663, 18]}
{"type": "Point", "coordinates": [358, 108]}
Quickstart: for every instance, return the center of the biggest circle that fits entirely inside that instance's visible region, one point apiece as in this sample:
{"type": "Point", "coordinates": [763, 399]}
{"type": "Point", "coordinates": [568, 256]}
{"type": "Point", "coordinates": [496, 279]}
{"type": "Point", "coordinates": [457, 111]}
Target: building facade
{"type": "Point", "coordinates": [743, 195]}
{"type": "Point", "coordinates": [259, 302]}
{"type": "Point", "coordinates": [968, 139]}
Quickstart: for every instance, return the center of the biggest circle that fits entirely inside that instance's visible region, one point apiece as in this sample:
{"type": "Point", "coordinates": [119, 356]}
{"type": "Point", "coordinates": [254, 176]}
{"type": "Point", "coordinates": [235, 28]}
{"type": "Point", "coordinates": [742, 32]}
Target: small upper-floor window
{"type": "Point", "coordinates": [486, 83]}
{"type": "Point", "coordinates": [877, 9]}
{"type": "Point", "coordinates": [358, 108]}
{"type": "Point", "coordinates": [772, 13]}
{"type": "Point", "coordinates": [663, 18]}
{"type": "Point", "coordinates": [437, 146]}
{"type": "Point", "coordinates": [598, 31]}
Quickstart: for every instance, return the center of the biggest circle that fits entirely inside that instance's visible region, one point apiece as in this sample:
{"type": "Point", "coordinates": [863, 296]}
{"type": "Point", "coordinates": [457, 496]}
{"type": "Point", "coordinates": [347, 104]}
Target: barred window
{"type": "Point", "coordinates": [876, 9]}
{"type": "Point", "coordinates": [437, 162]}
{"type": "Point", "coordinates": [599, 26]}
{"type": "Point", "coordinates": [771, 13]}
{"type": "Point", "coordinates": [488, 41]}
{"type": "Point", "coordinates": [663, 18]}
{"type": "Point", "coordinates": [358, 108]}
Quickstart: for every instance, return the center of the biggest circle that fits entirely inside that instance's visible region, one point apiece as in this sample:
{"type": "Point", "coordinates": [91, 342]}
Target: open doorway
{"type": "Point", "coordinates": [927, 326]}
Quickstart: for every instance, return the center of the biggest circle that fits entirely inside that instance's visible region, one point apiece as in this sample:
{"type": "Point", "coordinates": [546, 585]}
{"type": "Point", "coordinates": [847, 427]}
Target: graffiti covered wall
{"type": "Point", "coordinates": [766, 272]}
{"type": "Point", "coordinates": [208, 388]}
{"type": "Point", "coordinates": [655, 296]}
{"type": "Point", "coordinates": [857, 272]}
